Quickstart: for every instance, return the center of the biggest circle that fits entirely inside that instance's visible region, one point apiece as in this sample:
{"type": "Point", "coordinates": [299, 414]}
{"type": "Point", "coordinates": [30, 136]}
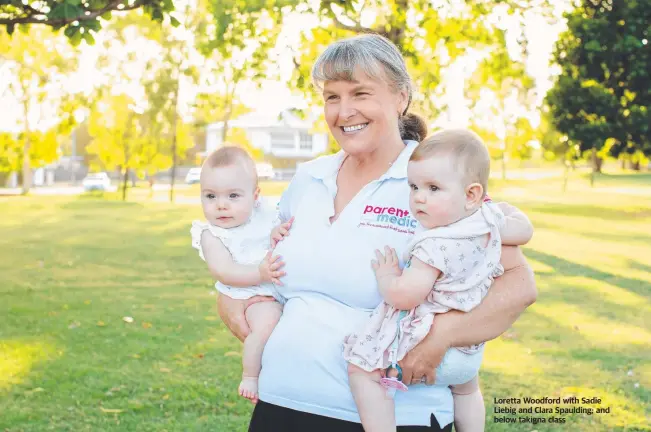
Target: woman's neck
{"type": "Point", "coordinates": [378, 160]}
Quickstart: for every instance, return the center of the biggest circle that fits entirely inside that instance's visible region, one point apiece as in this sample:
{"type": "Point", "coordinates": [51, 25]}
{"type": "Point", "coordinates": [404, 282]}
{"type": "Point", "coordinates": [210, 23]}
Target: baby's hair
{"type": "Point", "coordinates": [466, 148]}
{"type": "Point", "coordinates": [230, 155]}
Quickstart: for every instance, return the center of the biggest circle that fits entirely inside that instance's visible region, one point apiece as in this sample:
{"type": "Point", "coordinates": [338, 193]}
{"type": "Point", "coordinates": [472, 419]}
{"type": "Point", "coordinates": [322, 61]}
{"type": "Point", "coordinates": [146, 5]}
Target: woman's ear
{"type": "Point", "coordinates": [403, 100]}
{"type": "Point", "coordinates": [474, 196]}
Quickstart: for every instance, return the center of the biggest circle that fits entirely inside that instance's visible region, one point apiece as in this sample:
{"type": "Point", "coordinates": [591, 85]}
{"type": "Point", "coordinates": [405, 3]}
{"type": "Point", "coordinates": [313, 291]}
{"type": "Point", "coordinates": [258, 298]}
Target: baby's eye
{"type": "Point", "coordinates": [210, 196]}
{"type": "Point", "coordinates": [413, 187]}
{"type": "Point", "coordinates": [433, 188]}
{"type": "Point", "coordinates": [234, 196]}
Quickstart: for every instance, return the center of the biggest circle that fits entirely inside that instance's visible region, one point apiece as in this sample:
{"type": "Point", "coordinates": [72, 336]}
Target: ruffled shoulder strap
{"type": "Point", "coordinates": [198, 227]}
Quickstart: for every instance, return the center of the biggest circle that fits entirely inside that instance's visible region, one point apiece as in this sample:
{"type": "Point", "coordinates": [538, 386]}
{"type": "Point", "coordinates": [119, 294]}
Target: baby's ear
{"type": "Point", "coordinates": [474, 195]}
{"type": "Point", "coordinates": [256, 193]}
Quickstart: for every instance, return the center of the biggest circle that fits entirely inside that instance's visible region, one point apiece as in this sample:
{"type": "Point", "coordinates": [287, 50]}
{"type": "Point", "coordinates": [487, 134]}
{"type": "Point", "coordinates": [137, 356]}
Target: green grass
{"type": "Point", "coordinates": [73, 267]}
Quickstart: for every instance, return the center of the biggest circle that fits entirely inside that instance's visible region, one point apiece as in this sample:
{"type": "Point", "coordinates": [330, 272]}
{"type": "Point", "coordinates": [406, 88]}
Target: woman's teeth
{"type": "Point", "coordinates": [354, 128]}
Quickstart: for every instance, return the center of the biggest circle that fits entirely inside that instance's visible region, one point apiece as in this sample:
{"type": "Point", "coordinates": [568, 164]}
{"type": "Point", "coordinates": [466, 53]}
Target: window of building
{"type": "Point", "coordinates": [282, 140]}
{"type": "Point", "coordinates": [306, 141]}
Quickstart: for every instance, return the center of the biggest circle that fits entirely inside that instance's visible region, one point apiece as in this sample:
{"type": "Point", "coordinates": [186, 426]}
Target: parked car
{"type": "Point", "coordinates": [192, 176]}
{"type": "Point", "coordinates": [96, 181]}
{"type": "Point", "coordinates": [265, 170]}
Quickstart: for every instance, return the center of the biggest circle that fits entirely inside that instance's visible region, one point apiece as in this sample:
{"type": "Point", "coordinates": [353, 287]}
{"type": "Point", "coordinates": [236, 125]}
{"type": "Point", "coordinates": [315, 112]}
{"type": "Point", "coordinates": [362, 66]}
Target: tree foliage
{"type": "Point", "coordinates": [431, 37]}
{"type": "Point", "coordinates": [79, 18]}
{"type": "Point", "coordinates": [602, 98]}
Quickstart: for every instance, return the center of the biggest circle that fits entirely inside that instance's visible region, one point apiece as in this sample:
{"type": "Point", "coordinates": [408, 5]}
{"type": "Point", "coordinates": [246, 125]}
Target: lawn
{"type": "Point", "coordinates": [108, 323]}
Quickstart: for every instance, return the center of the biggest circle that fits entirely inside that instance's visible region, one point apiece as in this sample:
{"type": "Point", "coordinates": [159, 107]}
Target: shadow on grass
{"type": "Point", "coordinates": [591, 211]}
{"type": "Point", "coordinates": [568, 268]}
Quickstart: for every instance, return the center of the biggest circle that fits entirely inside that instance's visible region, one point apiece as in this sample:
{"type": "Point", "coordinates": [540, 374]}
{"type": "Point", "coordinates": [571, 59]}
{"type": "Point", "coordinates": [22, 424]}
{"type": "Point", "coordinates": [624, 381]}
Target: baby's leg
{"type": "Point", "coordinates": [469, 409]}
{"type": "Point", "coordinates": [375, 407]}
{"type": "Point", "coordinates": [262, 318]}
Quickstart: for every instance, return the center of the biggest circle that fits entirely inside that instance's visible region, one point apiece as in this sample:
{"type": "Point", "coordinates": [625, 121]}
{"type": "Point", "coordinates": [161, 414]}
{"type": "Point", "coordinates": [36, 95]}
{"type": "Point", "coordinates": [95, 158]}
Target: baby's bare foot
{"type": "Point", "coordinates": [249, 388]}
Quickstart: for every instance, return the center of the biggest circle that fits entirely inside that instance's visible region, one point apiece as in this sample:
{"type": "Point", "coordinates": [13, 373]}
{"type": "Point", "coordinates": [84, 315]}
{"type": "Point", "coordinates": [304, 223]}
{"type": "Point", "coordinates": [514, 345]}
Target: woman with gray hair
{"type": "Point", "coordinates": [345, 206]}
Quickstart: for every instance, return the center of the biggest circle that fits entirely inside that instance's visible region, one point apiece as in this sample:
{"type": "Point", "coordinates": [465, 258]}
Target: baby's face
{"type": "Point", "coordinates": [438, 195]}
{"type": "Point", "coordinates": [228, 194]}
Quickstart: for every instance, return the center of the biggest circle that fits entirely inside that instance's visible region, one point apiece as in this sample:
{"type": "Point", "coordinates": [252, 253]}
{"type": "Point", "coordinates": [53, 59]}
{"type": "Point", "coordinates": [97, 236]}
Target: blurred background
{"type": "Point", "coordinates": [109, 107]}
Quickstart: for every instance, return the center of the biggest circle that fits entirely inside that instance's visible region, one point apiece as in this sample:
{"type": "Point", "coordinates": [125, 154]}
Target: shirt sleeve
{"type": "Point", "coordinates": [291, 194]}
{"type": "Point", "coordinates": [435, 252]}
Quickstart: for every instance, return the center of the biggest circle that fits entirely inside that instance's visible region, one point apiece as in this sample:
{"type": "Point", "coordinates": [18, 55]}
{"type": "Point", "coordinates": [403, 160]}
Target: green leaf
{"type": "Point", "coordinates": [174, 22]}
{"type": "Point", "coordinates": [71, 30]}
{"type": "Point", "coordinates": [88, 37]}
{"type": "Point", "coordinates": [66, 10]}
{"type": "Point", "coordinates": [10, 28]}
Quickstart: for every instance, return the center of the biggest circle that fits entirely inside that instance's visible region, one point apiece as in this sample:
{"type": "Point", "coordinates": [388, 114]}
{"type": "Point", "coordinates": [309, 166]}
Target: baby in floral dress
{"type": "Point", "coordinates": [450, 265]}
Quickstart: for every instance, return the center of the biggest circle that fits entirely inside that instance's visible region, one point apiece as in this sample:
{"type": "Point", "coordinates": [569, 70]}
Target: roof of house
{"type": "Point", "coordinates": [253, 120]}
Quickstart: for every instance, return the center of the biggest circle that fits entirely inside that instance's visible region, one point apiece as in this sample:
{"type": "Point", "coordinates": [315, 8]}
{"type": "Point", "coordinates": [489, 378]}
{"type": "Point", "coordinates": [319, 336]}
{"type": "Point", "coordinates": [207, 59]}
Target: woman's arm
{"type": "Point", "coordinates": [509, 296]}
{"type": "Point", "coordinates": [232, 310]}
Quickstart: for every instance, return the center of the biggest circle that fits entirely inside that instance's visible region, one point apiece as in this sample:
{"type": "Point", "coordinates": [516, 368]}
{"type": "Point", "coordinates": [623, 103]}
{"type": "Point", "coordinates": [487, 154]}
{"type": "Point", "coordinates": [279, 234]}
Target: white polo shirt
{"type": "Point", "coordinates": [330, 289]}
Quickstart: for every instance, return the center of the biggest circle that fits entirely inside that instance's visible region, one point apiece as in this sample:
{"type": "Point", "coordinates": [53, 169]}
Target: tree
{"type": "Point", "coordinates": [237, 43]}
{"type": "Point", "coordinates": [80, 19]}
{"type": "Point", "coordinates": [602, 98]}
{"type": "Point", "coordinates": [430, 38]}
{"type": "Point", "coordinates": [505, 82]}
{"type": "Point", "coordinates": [38, 62]}
{"type": "Point", "coordinates": [117, 139]}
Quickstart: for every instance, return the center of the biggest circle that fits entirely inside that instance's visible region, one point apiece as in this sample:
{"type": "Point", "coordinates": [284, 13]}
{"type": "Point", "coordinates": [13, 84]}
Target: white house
{"type": "Point", "coordinates": [285, 139]}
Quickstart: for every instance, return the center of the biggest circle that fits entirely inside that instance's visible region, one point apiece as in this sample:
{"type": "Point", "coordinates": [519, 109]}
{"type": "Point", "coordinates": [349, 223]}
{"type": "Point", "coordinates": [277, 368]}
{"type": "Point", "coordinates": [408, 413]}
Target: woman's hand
{"type": "Point", "coordinates": [231, 312]}
{"type": "Point", "coordinates": [419, 365]}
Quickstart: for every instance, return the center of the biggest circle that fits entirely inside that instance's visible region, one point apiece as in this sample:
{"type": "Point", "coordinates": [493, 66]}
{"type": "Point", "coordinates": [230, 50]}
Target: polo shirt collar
{"type": "Point", "coordinates": [328, 167]}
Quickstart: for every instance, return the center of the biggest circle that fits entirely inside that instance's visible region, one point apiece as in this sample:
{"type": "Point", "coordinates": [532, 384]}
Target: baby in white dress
{"type": "Point", "coordinates": [449, 266]}
{"type": "Point", "coordinates": [235, 243]}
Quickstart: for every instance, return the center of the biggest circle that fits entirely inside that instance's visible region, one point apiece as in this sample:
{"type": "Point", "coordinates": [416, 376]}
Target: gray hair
{"type": "Point", "coordinates": [372, 54]}
{"type": "Point", "coordinates": [366, 52]}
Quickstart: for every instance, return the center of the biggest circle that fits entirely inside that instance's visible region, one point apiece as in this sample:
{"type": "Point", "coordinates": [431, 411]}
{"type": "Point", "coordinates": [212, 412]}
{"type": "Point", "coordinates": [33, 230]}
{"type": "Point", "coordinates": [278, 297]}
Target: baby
{"type": "Point", "coordinates": [235, 243]}
{"type": "Point", "coordinates": [451, 265]}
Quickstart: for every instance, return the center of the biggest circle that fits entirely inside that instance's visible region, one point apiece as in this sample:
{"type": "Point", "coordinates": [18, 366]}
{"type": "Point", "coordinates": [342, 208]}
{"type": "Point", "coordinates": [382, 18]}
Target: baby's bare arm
{"type": "Point", "coordinates": [407, 290]}
{"type": "Point", "coordinates": [223, 268]}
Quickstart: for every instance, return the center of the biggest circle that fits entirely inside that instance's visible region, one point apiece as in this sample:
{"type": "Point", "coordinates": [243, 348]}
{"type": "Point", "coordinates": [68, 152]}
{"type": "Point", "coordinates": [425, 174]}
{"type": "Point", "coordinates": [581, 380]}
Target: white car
{"type": "Point", "coordinates": [96, 181]}
{"type": "Point", "coordinates": [193, 176]}
{"type": "Point", "coordinates": [265, 170]}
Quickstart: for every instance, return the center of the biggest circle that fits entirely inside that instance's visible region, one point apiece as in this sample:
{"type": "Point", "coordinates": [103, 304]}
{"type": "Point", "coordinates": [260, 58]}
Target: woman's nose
{"type": "Point", "coordinates": [347, 109]}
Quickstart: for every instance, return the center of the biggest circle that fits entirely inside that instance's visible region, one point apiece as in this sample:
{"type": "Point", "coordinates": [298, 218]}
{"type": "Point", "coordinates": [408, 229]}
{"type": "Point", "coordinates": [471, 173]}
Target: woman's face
{"type": "Point", "coordinates": [363, 113]}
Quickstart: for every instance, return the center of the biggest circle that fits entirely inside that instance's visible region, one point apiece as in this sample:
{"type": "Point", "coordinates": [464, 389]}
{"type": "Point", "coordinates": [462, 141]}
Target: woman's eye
{"type": "Point", "coordinates": [361, 94]}
{"type": "Point", "coordinates": [331, 98]}
{"type": "Point", "coordinates": [433, 188]}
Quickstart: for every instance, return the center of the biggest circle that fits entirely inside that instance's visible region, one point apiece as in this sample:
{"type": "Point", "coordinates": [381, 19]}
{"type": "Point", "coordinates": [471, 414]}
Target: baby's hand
{"type": "Point", "coordinates": [280, 232]}
{"type": "Point", "coordinates": [387, 265]}
{"type": "Point", "coordinates": [269, 269]}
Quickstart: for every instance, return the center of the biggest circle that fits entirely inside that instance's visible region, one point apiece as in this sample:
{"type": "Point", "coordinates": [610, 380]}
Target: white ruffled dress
{"type": "Point", "coordinates": [248, 245]}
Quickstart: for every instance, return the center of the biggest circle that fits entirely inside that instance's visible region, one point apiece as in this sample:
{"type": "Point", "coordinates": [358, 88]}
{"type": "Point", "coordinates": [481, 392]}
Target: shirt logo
{"type": "Point", "coordinates": [393, 218]}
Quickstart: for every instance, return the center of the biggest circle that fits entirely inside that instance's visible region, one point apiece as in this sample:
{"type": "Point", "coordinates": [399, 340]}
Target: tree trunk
{"type": "Point", "coordinates": [174, 161]}
{"type": "Point", "coordinates": [504, 165]}
{"type": "Point", "coordinates": [596, 166]}
{"type": "Point", "coordinates": [125, 182]}
{"type": "Point", "coordinates": [27, 171]}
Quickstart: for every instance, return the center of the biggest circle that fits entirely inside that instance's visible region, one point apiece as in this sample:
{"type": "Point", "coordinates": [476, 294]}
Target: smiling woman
{"type": "Point", "coordinates": [342, 207]}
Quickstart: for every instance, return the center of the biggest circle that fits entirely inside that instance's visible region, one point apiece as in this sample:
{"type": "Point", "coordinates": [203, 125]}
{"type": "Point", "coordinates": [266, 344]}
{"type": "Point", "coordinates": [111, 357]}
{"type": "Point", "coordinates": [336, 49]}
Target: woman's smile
{"type": "Point", "coordinates": [354, 128]}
